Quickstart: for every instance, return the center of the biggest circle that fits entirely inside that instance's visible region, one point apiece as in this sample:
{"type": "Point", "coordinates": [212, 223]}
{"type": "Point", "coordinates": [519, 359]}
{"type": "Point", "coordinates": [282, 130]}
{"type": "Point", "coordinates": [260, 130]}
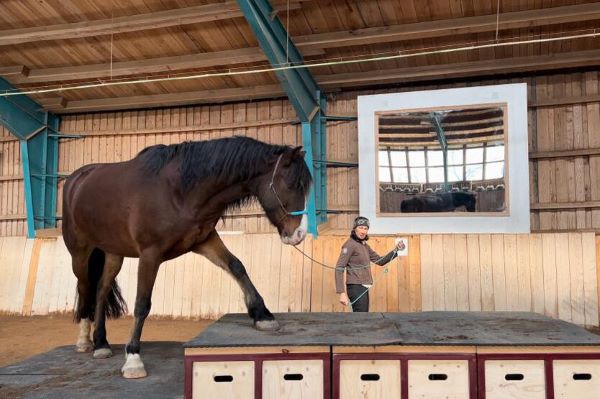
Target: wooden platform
{"type": "Point", "coordinates": [62, 373]}
{"type": "Point", "coordinates": [403, 355]}
{"type": "Point", "coordinates": [422, 328]}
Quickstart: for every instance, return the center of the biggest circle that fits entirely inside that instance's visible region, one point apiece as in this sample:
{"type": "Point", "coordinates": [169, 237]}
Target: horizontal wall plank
{"type": "Point", "coordinates": [565, 205]}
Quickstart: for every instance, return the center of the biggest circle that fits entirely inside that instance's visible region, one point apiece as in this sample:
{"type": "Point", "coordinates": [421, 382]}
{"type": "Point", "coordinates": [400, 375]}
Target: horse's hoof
{"type": "Point", "coordinates": [134, 373]}
{"type": "Point", "coordinates": [133, 367]}
{"type": "Point", "coordinates": [267, 325]}
{"type": "Point", "coordinates": [102, 353]}
{"type": "Point", "coordinates": [83, 347]}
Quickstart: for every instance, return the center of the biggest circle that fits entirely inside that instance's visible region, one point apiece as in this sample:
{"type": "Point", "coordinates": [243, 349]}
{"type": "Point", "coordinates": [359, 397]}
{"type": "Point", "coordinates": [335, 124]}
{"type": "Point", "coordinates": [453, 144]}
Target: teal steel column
{"type": "Point", "coordinates": [319, 140]}
{"type": "Point", "coordinates": [311, 205]}
{"type": "Point", "coordinates": [303, 93]}
{"type": "Point", "coordinates": [37, 131]}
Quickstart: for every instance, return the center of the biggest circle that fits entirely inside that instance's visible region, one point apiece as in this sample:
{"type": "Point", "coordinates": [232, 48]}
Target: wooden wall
{"type": "Point", "coordinates": [564, 142]}
{"type": "Point", "coordinates": [567, 180]}
{"type": "Point", "coordinates": [12, 203]}
{"type": "Point", "coordinates": [552, 274]}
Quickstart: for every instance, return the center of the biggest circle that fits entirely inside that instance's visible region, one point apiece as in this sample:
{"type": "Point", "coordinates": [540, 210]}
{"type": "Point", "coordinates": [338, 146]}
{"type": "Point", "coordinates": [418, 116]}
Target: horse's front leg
{"type": "Point", "coordinates": [147, 270]}
{"type": "Point", "coordinates": [215, 251]}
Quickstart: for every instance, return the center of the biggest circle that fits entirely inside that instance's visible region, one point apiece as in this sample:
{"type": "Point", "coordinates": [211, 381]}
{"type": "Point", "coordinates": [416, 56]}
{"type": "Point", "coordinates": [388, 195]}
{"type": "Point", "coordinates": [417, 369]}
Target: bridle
{"type": "Point", "coordinates": [272, 187]}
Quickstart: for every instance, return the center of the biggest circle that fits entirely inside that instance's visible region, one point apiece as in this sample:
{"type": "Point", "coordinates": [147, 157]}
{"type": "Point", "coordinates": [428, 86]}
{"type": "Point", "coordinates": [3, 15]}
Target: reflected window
{"type": "Point", "coordinates": [474, 155]}
{"type": "Point", "coordinates": [416, 158]}
{"type": "Point", "coordinates": [442, 160]}
{"type": "Point", "coordinates": [400, 175]}
{"type": "Point", "coordinates": [398, 158]}
{"type": "Point", "coordinates": [385, 175]}
{"type": "Point", "coordinates": [474, 172]}
{"type": "Point", "coordinates": [495, 153]}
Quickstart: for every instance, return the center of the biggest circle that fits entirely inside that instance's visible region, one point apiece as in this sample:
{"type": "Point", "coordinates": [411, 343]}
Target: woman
{"type": "Point", "coordinates": [355, 259]}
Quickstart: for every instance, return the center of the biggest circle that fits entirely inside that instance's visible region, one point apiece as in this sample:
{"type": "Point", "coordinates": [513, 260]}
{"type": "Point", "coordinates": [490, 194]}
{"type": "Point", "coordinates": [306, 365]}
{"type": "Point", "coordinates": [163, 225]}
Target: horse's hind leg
{"type": "Point", "coordinates": [215, 251]}
{"type": "Point", "coordinates": [147, 270]}
{"type": "Point", "coordinates": [112, 266]}
{"type": "Point", "coordinates": [83, 311]}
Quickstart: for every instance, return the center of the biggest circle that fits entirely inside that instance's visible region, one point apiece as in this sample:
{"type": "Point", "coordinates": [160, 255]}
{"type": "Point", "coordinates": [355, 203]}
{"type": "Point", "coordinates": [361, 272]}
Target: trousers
{"type": "Point", "coordinates": [354, 291]}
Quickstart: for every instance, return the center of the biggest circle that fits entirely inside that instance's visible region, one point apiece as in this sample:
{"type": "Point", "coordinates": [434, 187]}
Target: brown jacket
{"type": "Point", "coordinates": [355, 259]}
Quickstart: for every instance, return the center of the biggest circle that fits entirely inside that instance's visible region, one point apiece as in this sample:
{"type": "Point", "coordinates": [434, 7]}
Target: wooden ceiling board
{"type": "Point", "coordinates": [345, 19]}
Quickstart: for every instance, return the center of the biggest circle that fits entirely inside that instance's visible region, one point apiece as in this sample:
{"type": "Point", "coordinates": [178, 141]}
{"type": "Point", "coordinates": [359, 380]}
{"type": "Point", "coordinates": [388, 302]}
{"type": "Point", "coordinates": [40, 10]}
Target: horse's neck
{"type": "Point", "coordinates": [217, 198]}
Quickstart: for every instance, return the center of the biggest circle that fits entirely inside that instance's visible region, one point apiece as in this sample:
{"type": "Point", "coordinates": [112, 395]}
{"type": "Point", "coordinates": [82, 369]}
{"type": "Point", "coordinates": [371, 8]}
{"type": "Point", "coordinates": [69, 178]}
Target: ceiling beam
{"type": "Point", "coordinates": [467, 69]}
{"type": "Point", "coordinates": [12, 72]}
{"type": "Point", "coordinates": [333, 82]}
{"type": "Point", "coordinates": [141, 67]}
{"type": "Point", "coordinates": [162, 100]}
{"type": "Point", "coordinates": [311, 45]}
{"type": "Point", "coordinates": [130, 23]}
{"type": "Point", "coordinates": [451, 27]}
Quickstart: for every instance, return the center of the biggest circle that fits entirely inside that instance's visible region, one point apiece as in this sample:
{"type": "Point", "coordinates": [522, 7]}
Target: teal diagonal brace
{"type": "Point", "coordinates": [298, 83]}
{"type": "Point", "coordinates": [303, 93]}
{"type": "Point", "coordinates": [37, 131]}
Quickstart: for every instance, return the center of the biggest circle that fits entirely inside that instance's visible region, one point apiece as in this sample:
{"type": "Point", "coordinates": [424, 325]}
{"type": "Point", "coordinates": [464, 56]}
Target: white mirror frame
{"type": "Point", "coordinates": [515, 221]}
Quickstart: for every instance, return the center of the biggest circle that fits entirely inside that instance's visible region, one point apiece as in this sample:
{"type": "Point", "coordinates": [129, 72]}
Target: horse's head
{"type": "Point", "coordinates": [283, 195]}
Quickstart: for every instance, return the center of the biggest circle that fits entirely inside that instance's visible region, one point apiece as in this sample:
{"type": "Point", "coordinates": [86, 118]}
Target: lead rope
{"type": "Point", "coordinates": [385, 271]}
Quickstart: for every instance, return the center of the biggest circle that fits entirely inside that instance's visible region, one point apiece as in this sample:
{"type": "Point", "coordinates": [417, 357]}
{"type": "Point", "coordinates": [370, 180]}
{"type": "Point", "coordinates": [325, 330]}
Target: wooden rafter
{"type": "Point", "coordinates": [452, 27]}
{"type": "Point", "coordinates": [131, 23]}
{"type": "Point", "coordinates": [164, 100]}
{"type": "Point", "coordinates": [468, 69]}
{"type": "Point", "coordinates": [309, 44]}
{"type": "Point", "coordinates": [332, 82]}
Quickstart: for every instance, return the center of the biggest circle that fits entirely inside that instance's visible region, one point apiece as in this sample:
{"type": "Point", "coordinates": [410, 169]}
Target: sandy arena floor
{"type": "Point", "coordinates": [22, 337]}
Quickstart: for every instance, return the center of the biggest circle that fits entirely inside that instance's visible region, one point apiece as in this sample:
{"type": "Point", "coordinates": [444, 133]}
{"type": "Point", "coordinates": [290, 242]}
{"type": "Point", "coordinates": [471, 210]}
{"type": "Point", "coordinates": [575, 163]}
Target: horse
{"type": "Point", "coordinates": [164, 203]}
{"type": "Point", "coordinates": [439, 202]}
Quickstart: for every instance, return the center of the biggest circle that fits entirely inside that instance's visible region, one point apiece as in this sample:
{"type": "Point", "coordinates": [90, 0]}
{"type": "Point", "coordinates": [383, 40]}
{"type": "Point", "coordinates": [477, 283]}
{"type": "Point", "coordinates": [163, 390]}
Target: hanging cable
{"type": "Point", "coordinates": [304, 65]}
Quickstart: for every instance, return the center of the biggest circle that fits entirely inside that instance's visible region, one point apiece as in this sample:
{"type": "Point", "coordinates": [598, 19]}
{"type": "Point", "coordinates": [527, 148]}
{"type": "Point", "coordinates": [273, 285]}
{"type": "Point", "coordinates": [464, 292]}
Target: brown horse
{"type": "Point", "coordinates": [164, 203]}
{"type": "Point", "coordinates": [439, 202]}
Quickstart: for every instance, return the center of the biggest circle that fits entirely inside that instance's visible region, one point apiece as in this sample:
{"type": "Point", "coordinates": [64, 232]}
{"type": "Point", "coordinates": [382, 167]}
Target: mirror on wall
{"type": "Point", "coordinates": [448, 159]}
{"type": "Point", "coordinates": [445, 161]}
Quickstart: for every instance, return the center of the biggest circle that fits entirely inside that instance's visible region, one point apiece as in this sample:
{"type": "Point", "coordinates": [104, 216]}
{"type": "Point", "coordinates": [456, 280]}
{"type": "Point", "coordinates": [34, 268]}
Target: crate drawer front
{"type": "Point", "coordinates": [369, 379]}
{"type": "Point", "coordinates": [223, 380]}
{"type": "Point", "coordinates": [438, 379]}
{"type": "Point", "coordinates": [515, 379]}
{"type": "Point", "coordinates": [576, 378]}
{"type": "Point", "coordinates": [293, 379]}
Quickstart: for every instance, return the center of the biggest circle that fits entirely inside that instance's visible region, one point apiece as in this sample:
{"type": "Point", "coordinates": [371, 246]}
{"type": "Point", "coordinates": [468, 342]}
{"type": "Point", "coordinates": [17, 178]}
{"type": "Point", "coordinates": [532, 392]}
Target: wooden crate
{"type": "Point", "coordinates": [223, 379]}
{"type": "Point", "coordinates": [369, 378]}
{"type": "Point", "coordinates": [404, 372]}
{"type": "Point", "coordinates": [484, 355]}
{"type": "Point", "coordinates": [576, 378]}
{"type": "Point", "coordinates": [539, 372]}
{"type": "Point", "coordinates": [293, 378]}
{"type": "Point", "coordinates": [257, 372]}
{"type": "Point", "coordinates": [439, 378]}
{"type": "Point", "coordinates": [518, 379]}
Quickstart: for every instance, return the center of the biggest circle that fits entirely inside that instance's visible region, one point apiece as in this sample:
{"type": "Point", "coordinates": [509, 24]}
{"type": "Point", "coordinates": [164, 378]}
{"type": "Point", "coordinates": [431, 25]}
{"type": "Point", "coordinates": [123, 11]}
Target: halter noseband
{"type": "Point", "coordinates": [294, 213]}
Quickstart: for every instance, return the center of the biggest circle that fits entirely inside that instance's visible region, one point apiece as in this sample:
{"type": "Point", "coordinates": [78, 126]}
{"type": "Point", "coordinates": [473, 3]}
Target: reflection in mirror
{"type": "Point", "coordinates": [444, 160]}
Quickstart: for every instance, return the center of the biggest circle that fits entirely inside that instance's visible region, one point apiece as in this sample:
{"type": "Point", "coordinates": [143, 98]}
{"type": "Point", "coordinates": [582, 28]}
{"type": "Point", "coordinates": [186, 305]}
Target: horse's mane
{"type": "Point", "coordinates": [230, 160]}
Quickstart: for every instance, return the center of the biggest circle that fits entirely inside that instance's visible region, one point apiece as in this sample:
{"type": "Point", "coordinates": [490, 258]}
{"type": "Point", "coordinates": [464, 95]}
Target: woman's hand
{"type": "Point", "coordinates": [400, 246]}
{"type": "Point", "coordinates": [344, 299]}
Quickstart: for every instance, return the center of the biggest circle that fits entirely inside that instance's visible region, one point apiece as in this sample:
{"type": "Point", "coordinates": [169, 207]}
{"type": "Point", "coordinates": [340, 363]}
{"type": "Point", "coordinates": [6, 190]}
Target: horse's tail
{"type": "Point", "coordinates": [114, 306]}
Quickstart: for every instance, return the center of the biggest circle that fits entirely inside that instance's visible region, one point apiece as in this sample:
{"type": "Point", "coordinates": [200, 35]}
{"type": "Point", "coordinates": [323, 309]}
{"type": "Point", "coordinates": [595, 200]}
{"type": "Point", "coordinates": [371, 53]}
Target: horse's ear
{"type": "Point", "coordinates": [298, 152]}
